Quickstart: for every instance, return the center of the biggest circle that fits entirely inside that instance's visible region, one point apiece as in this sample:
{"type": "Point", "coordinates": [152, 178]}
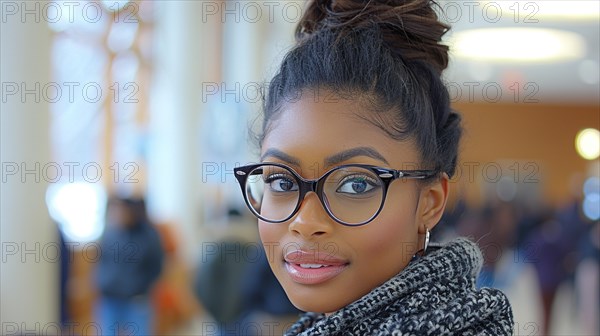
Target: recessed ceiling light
{"type": "Point", "coordinates": [517, 45]}
{"type": "Point", "coordinates": [587, 143]}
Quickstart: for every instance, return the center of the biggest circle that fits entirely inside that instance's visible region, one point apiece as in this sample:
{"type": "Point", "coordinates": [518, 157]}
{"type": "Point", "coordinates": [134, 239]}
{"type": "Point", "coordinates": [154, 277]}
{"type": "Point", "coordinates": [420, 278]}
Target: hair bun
{"type": "Point", "coordinates": [410, 28]}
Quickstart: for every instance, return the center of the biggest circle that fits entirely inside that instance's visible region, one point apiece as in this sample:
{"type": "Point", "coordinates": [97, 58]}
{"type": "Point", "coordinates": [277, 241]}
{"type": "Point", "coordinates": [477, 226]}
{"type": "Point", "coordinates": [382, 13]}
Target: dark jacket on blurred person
{"type": "Point", "coordinates": [131, 252]}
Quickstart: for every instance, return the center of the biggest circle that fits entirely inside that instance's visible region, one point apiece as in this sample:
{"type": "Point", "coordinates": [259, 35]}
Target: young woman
{"type": "Point", "coordinates": [357, 147]}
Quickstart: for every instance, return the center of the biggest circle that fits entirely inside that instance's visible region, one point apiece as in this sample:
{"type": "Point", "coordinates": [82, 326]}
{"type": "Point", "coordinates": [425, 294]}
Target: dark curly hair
{"type": "Point", "coordinates": [388, 56]}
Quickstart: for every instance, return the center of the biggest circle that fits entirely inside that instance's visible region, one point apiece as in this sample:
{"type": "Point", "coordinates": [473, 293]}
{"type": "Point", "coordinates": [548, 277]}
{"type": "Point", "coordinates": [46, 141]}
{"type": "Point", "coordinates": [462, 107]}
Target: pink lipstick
{"type": "Point", "coordinates": [311, 268]}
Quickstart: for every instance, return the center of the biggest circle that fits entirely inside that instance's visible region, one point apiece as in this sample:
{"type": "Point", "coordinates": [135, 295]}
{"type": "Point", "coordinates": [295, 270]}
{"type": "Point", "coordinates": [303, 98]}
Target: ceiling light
{"type": "Point", "coordinates": [517, 45]}
{"type": "Point", "coordinates": [587, 143]}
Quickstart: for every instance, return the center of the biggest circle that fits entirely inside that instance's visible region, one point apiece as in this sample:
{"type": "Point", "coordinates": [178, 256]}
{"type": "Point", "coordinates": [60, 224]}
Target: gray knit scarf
{"type": "Point", "coordinates": [434, 295]}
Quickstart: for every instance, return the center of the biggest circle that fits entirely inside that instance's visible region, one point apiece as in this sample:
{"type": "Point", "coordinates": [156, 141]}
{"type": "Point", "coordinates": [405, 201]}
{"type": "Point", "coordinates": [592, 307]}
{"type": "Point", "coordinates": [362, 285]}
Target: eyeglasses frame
{"type": "Point", "coordinates": [386, 175]}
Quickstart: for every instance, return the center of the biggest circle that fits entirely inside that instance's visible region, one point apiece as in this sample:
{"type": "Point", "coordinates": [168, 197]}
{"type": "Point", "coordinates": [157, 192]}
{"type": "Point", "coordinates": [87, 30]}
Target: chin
{"type": "Point", "coordinates": [316, 300]}
{"type": "Point", "coordinates": [308, 304]}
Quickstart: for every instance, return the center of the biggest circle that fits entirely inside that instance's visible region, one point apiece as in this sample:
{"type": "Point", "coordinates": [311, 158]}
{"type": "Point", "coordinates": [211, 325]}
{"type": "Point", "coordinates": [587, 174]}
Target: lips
{"type": "Point", "coordinates": [311, 268]}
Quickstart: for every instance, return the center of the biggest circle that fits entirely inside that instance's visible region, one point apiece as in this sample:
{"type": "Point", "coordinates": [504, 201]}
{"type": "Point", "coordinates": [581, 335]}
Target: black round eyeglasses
{"type": "Point", "coordinates": [351, 194]}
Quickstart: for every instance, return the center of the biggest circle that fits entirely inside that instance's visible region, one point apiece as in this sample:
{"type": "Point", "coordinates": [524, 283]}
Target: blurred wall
{"type": "Point", "coordinates": [518, 134]}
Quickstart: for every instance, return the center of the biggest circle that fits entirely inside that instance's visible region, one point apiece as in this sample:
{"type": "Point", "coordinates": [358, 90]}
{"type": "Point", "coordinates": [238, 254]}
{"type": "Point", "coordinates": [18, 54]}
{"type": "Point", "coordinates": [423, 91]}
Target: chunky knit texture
{"type": "Point", "coordinates": [433, 295]}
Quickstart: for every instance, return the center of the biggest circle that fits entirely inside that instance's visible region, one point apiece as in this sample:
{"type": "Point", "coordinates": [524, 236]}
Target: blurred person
{"type": "Point", "coordinates": [218, 285]}
{"type": "Point", "coordinates": [496, 234]}
{"type": "Point", "coordinates": [357, 147]}
{"type": "Point", "coordinates": [65, 269]}
{"type": "Point", "coordinates": [574, 228]}
{"type": "Point", "coordinates": [508, 266]}
{"type": "Point", "coordinates": [269, 307]}
{"type": "Point", "coordinates": [129, 265]}
{"type": "Point", "coordinates": [549, 256]}
{"type": "Point", "coordinates": [578, 266]}
{"type": "Point", "coordinates": [587, 280]}
{"type": "Point", "coordinates": [556, 251]}
{"type": "Point", "coordinates": [235, 284]}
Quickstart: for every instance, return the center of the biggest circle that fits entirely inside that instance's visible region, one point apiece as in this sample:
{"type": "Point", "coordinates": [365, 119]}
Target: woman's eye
{"type": "Point", "coordinates": [281, 184]}
{"type": "Point", "coordinates": [356, 185]}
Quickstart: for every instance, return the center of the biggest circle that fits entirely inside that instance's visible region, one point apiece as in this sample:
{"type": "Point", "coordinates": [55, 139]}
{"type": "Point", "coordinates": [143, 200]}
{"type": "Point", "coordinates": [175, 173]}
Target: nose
{"type": "Point", "coordinates": [311, 220]}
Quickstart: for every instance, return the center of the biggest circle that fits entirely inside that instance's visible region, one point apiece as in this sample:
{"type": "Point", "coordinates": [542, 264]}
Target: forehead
{"type": "Point", "coordinates": [312, 129]}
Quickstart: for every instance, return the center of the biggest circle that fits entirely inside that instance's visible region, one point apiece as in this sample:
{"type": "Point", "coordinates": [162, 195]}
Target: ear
{"type": "Point", "coordinates": [432, 202]}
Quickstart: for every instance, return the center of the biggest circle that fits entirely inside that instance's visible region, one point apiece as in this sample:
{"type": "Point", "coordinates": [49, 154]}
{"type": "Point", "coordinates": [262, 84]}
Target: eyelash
{"type": "Point", "coordinates": [373, 182]}
{"type": "Point", "coordinates": [269, 179]}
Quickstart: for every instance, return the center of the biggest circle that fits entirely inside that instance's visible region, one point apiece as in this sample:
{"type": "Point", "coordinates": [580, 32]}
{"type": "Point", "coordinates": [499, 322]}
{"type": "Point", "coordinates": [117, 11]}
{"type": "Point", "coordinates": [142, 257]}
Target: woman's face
{"type": "Point", "coordinates": [306, 135]}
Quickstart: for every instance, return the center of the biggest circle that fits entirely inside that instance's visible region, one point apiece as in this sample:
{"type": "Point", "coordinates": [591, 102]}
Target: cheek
{"type": "Point", "coordinates": [267, 232]}
{"type": "Point", "coordinates": [393, 238]}
{"type": "Point", "coordinates": [271, 236]}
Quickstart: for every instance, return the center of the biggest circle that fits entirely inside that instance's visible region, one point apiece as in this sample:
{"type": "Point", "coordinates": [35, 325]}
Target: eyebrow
{"type": "Point", "coordinates": [352, 153]}
{"type": "Point", "coordinates": [272, 152]}
{"type": "Point", "coordinates": [330, 160]}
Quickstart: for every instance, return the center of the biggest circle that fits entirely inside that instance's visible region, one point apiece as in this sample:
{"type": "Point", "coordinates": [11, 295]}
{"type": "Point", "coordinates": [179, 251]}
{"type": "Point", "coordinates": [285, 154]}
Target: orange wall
{"type": "Point", "coordinates": [514, 134]}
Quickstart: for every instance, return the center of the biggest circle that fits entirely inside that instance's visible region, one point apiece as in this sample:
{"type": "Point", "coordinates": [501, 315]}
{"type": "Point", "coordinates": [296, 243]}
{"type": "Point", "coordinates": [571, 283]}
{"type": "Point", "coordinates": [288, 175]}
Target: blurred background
{"type": "Point", "coordinates": [122, 121]}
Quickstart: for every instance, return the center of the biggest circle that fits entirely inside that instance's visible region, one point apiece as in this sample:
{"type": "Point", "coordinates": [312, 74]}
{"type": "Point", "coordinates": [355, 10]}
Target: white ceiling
{"type": "Point", "coordinates": [574, 81]}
